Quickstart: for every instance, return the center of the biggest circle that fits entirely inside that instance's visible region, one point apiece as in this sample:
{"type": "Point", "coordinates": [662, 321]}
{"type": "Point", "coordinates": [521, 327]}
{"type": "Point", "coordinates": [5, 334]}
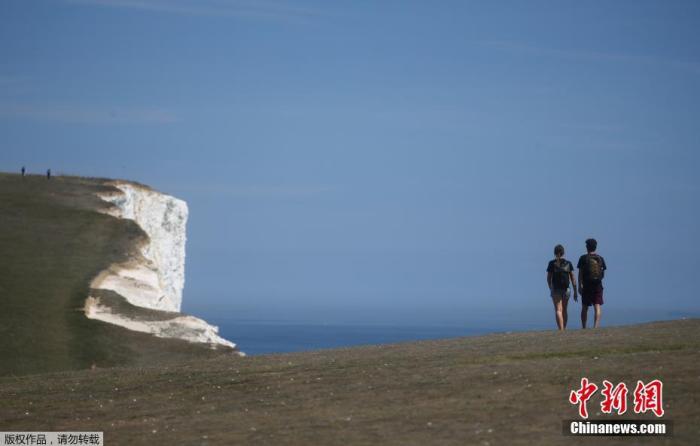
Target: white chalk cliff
{"type": "Point", "coordinates": [155, 277]}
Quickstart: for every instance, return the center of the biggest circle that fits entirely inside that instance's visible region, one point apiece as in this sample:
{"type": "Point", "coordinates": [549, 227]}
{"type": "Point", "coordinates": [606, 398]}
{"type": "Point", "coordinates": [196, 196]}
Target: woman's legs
{"type": "Point", "coordinates": [565, 311]}
{"type": "Point", "coordinates": [558, 312]}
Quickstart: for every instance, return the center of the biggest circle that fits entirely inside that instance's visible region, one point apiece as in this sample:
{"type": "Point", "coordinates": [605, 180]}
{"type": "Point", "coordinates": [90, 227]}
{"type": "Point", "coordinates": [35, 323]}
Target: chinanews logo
{"type": "Point", "coordinates": [647, 398]}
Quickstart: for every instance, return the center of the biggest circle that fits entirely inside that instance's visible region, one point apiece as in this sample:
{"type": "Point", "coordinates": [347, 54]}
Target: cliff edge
{"type": "Point", "coordinates": [153, 277]}
{"type": "Point", "coordinates": [113, 251]}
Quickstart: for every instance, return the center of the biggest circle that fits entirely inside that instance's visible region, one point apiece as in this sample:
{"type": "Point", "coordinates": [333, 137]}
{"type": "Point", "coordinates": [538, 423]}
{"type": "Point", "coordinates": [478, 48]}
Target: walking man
{"type": "Point", "coordinates": [48, 174]}
{"type": "Point", "coordinates": [23, 171]}
{"type": "Point", "coordinates": [591, 270]}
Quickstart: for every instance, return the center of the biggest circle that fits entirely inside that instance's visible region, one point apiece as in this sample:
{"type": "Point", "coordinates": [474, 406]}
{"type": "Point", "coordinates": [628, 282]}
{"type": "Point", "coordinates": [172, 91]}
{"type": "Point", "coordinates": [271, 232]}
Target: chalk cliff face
{"type": "Point", "coordinates": [154, 278]}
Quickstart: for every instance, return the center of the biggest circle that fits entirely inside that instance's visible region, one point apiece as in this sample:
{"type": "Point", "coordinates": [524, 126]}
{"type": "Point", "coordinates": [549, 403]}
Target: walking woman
{"type": "Point", "coordinates": [560, 273]}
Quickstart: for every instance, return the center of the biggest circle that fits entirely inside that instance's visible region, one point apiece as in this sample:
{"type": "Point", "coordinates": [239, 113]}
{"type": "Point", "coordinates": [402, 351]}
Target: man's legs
{"type": "Point", "coordinates": [584, 314]}
{"type": "Point", "coordinates": [597, 316]}
{"type": "Point", "coordinates": [565, 311]}
{"type": "Point", "coordinates": [558, 312]}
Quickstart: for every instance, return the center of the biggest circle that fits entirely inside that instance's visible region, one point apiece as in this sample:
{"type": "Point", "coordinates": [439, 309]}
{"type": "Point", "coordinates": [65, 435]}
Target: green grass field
{"type": "Point", "coordinates": [52, 243]}
{"type": "Point", "coordinates": [500, 389]}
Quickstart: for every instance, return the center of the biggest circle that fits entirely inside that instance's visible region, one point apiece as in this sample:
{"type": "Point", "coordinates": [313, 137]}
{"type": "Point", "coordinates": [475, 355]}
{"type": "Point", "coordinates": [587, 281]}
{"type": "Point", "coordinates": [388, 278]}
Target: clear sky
{"type": "Point", "coordinates": [379, 160]}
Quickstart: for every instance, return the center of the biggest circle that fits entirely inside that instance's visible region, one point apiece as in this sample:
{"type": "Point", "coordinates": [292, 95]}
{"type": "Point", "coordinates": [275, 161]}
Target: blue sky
{"type": "Point", "coordinates": [383, 161]}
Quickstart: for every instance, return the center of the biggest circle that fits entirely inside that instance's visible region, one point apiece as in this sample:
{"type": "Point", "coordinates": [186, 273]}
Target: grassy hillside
{"type": "Point", "coordinates": [500, 389]}
{"type": "Point", "coordinates": [52, 243]}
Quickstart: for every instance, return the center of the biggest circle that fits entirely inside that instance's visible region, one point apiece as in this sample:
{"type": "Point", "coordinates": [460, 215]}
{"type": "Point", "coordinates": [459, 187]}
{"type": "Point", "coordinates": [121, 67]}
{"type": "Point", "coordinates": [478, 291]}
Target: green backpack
{"type": "Point", "coordinates": [593, 268]}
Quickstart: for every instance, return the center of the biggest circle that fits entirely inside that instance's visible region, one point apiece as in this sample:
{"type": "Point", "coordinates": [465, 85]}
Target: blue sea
{"type": "Point", "coordinates": [263, 336]}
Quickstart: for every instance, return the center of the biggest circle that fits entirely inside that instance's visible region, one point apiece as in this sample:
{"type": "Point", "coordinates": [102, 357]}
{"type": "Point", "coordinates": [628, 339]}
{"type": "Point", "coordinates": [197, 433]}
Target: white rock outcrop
{"type": "Point", "coordinates": [155, 277]}
{"type": "Point", "coordinates": [188, 328]}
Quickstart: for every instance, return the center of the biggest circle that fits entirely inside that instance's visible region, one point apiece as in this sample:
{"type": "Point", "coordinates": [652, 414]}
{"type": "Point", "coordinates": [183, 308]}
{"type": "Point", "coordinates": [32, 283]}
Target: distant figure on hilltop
{"type": "Point", "coordinates": [23, 171]}
{"type": "Point", "coordinates": [560, 272]}
{"type": "Point", "coordinates": [591, 270]}
{"type": "Point", "coordinates": [48, 174]}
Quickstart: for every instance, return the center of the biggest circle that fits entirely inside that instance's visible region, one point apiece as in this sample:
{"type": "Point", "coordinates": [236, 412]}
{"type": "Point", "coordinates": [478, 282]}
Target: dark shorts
{"type": "Point", "coordinates": [592, 295]}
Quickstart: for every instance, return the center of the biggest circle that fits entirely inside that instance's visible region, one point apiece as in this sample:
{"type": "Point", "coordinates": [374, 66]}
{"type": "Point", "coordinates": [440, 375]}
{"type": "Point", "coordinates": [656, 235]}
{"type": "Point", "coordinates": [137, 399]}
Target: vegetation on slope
{"type": "Point", "coordinates": [500, 389]}
{"type": "Point", "coordinates": [53, 242]}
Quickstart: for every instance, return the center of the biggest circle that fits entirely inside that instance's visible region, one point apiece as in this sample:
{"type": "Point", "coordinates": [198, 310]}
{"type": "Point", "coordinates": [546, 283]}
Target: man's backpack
{"type": "Point", "coordinates": [593, 268]}
{"type": "Point", "coordinates": [560, 275]}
